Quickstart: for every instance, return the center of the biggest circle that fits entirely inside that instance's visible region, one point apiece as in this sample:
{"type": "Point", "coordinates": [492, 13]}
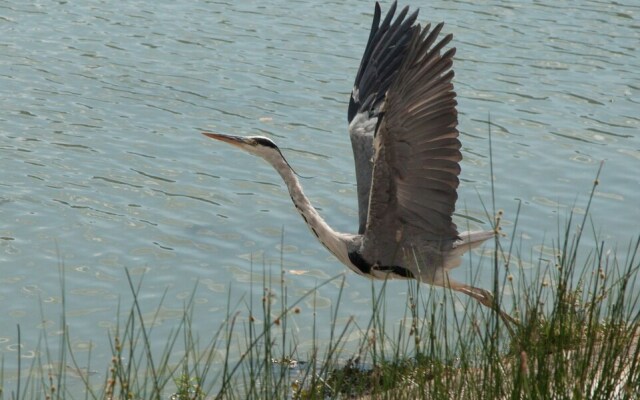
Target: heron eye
{"type": "Point", "coordinates": [265, 142]}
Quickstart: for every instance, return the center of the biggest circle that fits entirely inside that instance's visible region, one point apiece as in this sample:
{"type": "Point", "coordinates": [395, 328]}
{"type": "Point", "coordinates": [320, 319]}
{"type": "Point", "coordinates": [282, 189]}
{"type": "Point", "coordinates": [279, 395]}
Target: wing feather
{"type": "Point", "coordinates": [383, 56]}
{"type": "Point", "coordinates": [416, 154]}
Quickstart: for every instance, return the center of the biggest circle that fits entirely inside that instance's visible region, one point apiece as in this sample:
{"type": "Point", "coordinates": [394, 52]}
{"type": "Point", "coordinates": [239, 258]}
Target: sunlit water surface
{"type": "Point", "coordinates": [103, 167]}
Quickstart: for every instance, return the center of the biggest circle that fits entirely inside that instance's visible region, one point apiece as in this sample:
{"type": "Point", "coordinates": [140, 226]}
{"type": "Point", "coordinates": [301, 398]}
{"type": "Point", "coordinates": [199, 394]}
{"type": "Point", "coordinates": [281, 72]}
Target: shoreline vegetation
{"type": "Point", "coordinates": [576, 337]}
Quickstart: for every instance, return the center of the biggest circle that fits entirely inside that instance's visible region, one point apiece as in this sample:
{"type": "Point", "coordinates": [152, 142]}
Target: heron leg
{"type": "Point", "coordinates": [485, 298]}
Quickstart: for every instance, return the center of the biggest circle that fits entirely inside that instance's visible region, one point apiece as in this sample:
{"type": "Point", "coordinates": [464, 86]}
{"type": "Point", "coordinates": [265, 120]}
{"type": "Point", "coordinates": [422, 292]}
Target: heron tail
{"type": "Point", "coordinates": [472, 239]}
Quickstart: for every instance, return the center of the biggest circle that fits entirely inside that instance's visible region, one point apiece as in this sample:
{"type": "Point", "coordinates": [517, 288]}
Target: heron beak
{"type": "Point", "coordinates": [234, 140]}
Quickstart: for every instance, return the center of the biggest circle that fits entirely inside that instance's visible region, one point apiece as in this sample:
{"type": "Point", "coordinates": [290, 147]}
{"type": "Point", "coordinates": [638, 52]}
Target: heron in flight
{"type": "Point", "coordinates": [403, 129]}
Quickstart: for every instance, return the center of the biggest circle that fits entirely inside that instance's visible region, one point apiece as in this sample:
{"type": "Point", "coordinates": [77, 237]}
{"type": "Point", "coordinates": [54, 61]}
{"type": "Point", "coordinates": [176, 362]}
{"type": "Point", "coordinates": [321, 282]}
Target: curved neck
{"type": "Point", "coordinates": [335, 242]}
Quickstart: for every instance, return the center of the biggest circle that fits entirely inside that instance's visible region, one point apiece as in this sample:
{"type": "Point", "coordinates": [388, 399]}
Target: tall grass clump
{"type": "Point", "coordinates": [579, 332]}
{"type": "Point", "coordinates": [575, 336]}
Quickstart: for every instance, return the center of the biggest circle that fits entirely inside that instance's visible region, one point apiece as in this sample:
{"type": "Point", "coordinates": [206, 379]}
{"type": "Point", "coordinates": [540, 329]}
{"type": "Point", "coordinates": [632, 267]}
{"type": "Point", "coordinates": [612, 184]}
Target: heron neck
{"type": "Point", "coordinates": [334, 241]}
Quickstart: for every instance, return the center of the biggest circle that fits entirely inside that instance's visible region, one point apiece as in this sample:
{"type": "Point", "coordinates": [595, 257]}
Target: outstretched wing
{"type": "Point", "coordinates": [386, 49]}
{"type": "Point", "coordinates": [416, 154]}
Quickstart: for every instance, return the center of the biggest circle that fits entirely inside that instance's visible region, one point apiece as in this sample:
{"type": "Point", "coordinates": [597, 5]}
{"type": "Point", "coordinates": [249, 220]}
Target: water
{"type": "Point", "coordinates": [103, 167]}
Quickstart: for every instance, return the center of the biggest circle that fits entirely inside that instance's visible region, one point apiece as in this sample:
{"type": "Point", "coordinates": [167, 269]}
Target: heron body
{"type": "Point", "coordinates": [403, 129]}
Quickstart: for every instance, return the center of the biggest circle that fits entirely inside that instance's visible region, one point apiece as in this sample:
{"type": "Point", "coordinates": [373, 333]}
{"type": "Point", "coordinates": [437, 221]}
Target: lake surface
{"type": "Point", "coordinates": [104, 168]}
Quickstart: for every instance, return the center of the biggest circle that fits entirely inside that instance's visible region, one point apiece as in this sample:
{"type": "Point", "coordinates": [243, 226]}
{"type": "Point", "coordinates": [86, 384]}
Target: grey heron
{"type": "Point", "coordinates": [403, 129]}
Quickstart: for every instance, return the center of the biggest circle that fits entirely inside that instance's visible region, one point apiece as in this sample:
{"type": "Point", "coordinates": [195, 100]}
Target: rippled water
{"type": "Point", "coordinates": [103, 167]}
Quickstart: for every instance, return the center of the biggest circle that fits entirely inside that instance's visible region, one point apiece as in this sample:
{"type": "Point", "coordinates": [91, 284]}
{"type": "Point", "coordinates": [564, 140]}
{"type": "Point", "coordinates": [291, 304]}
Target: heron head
{"type": "Point", "coordinates": [257, 145]}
